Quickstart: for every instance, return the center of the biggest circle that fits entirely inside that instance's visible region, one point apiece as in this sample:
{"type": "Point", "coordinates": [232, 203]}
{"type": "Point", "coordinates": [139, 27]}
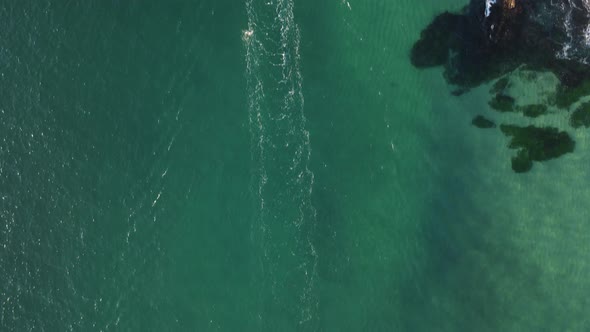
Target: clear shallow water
{"type": "Point", "coordinates": [161, 169]}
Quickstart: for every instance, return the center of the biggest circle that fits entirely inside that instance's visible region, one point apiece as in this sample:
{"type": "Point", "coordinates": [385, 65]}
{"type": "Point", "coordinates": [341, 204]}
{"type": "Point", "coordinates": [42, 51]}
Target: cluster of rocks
{"type": "Point", "coordinates": [488, 40]}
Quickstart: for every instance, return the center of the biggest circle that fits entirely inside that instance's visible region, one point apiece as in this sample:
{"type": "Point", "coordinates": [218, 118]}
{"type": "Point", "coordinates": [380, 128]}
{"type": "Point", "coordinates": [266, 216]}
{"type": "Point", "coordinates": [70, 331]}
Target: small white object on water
{"type": "Point", "coordinates": [246, 34]}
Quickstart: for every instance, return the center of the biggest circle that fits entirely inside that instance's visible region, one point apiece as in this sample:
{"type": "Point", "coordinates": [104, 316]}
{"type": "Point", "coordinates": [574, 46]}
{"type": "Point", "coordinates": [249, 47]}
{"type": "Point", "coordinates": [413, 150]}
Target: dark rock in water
{"type": "Point", "coordinates": [536, 144]}
{"type": "Point", "coordinates": [521, 163]}
{"type": "Point", "coordinates": [500, 86]}
{"type": "Point", "coordinates": [476, 46]}
{"type": "Point", "coordinates": [502, 103]}
{"type": "Point", "coordinates": [505, 21]}
{"type": "Point", "coordinates": [480, 44]}
{"type": "Point", "coordinates": [481, 122]}
{"type": "Point", "coordinates": [482, 48]}
{"type": "Point", "coordinates": [459, 92]}
{"type": "Point", "coordinates": [581, 116]}
{"type": "Point", "coordinates": [533, 110]}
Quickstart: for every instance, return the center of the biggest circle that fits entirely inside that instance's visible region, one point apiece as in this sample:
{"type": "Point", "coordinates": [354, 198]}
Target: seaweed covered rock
{"type": "Point", "coordinates": [536, 144]}
{"type": "Point", "coordinates": [581, 116]}
{"type": "Point", "coordinates": [459, 92]}
{"type": "Point", "coordinates": [500, 86]}
{"type": "Point", "coordinates": [481, 122]}
{"type": "Point", "coordinates": [476, 51]}
{"type": "Point", "coordinates": [502, 103]}
{"type": "Point", "coordinates": [505, 103]}
{"type": "Point", "coordinates": [533, 110]}
{"type": "Point", "coordinates": [488, 39]}
{"type": "Point", "coordinates": [567, 95]}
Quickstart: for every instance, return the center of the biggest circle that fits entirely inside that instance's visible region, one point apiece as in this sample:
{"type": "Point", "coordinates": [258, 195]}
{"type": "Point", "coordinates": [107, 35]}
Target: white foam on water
{"type": "Point", "coordinates": [489, 4]}
{"type": "Point", "coordinates": [278, 129]}
{"type": "Point", "coordinates": [586, 4]}
{"type": "Point", "coordinates": [577, 42]}
{"type": "Point", "coordinates": [565, 51]}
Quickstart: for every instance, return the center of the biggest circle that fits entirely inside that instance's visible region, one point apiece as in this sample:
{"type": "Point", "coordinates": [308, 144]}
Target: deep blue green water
{"type": "Point", "coordinates": [213, 165]}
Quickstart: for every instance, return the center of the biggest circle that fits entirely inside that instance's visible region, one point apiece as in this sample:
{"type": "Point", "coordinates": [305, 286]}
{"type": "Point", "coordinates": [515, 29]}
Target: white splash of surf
{"type": "Point", "coordinates": [489, 4]}
{"type": "Point", "coordinates": [281, 152]}
{"type": "Point", "coordinates": [578, 40]}
{"type": "Point", "coordinates": [586, 4]}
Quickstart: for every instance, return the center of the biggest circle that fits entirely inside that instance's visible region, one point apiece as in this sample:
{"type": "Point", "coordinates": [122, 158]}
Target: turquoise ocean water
{"type": "Point", "coordinates": [278, 165]}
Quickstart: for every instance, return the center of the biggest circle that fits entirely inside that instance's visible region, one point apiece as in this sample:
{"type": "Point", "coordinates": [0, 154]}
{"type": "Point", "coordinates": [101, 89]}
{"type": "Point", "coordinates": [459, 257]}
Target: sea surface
{"type": "Point", "coordinates": [270, 165]}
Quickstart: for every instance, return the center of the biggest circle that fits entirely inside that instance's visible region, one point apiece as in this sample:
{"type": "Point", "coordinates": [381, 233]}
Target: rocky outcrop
{"type": "Point", "coordinates": [474, 48]}
{"type": "Point", "coordinates": [489, 39]}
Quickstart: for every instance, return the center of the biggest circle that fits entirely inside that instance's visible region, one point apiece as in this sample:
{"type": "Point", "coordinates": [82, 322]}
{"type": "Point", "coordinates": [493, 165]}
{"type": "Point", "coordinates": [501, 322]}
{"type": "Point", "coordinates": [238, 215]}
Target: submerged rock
{"type": "Point", "coordinates": [479, 44]}
{"type": "Point", "coordinates": [459, 92]}
{"type": "Point", "coordinates": [489, 39]}
{"type": "Point", "coordinates": [566, 96]}
{"type": "Point", "coordinates": [500, 86]}
{"type": "Point", "coordinates": [502, 103]}
{"type": "Point", "coordinates": [481, 122]}
{"type": "Point", "coordinates": [581, 116]}
{"type": "Point", "coordinates": [532, 110]}
{"type": "Point", "coordinates": [536, 144]}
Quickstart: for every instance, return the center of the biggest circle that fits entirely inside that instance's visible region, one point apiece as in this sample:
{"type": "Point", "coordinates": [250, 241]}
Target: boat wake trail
{"type": "Point", "coordinates": [283, 231]}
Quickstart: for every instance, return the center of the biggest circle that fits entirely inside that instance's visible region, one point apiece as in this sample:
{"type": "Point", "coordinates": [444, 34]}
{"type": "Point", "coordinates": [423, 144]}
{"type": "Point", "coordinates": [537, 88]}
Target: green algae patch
{"type": "Point", "coordinates": [533, 110]}
{"type": "Point", "coordinates": [481, 122]}
{"type": "Point", "coordinates": [536, 144]}
{"type": "Point", "coordinates": [502, 103]}
{"type": "Point", "coordinates": [581, 116]}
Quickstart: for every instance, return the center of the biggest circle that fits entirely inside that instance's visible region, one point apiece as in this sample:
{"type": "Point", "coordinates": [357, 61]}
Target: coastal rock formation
{"type": "Point", "coordinates": [581, 116]}
{"type": "Point", "coordinates": [489, 39]}
{"type": "Point", "coordinates": [533, 110]}
{"type": "Point", "coordinates": [543, 35]}
{"type": "Point", "coordinates": [502, 103]}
